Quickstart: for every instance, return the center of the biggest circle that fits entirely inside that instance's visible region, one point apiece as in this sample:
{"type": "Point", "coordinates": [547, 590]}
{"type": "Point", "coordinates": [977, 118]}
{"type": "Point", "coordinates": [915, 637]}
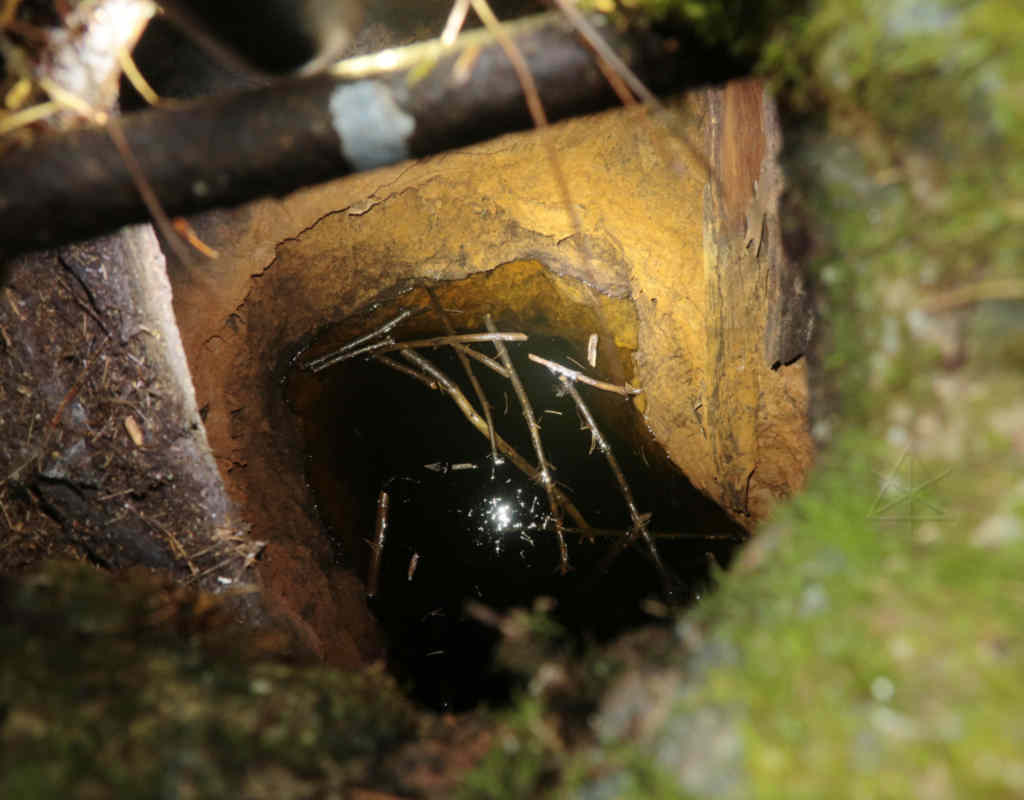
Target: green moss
{"type": "Point", "coordinates": [94, 695]}
{"type": "Point", "coordinates": [865, 653]}
{"type": "Point", "coordinates": [521, 760]}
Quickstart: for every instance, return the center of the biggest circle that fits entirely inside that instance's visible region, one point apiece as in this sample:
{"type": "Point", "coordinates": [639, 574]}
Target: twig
{"type": "Point", "coordinates": [176, 547]}
{"type": "Point", "coordinates": [486, 360]}
{"type": "Point", "coordinates": [596, 41]}
{"type": "Point", "coordinates": [10, 525]}
{"type": "Point", "coordinates": [75, 388]}
{"type": "Point", "coordinates": [146, 191]}
{"type": "Point", "coordinates": [536, 108]}
{"type": "Point", "coordinates": [376, 347]}
{"type": "Point", "coordinates": [378, 543]}
{"type": "Point", "coordinates": [27, 116]}
{"type": "Point", "coordinates": [667, 535]}
{"type": "Point", "coordinates": [190, 26]}
{"type": "Point", "coordinates": [477, 388]}
{"type": "Point", "coordinates": [456, 19]}
{"type": "Point", "coordinates": [575, 375]}
{"type": "Point", "coordinates": [460, 338]}
{"type": "Point", "coordinates": [602, 444]}
{"type": "Point", "coordinates": [617, 72]}
{"type": "Point", "coordinates": [376, 333]}
{"type": "Point", "coordinates": [215, 568]}
{"type": "Point", "coordinates": [507, 450]}
{"type": "Point", "coordinates": [639, 522]}
{"type": "Point", "coordinates": [135, 77]}
{"type": "Point", "coordinates": [188, 233]}
{"type": "Point", "coordinates": [412, 373]}
{"type": "Point", "coordinates": [389, 345]}
{"type": "Point", "coordinates": [538, 448]}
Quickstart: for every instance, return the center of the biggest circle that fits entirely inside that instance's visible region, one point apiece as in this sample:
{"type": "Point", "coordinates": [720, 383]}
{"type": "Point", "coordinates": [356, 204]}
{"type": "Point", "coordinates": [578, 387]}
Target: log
{"type": "Point", "coordinates": [227, 149]}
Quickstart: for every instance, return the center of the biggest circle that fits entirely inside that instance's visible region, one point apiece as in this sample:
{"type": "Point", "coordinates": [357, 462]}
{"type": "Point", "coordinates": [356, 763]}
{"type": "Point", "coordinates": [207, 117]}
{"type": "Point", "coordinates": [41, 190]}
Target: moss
{"type": "Point", "coordinates": [866, 653]}
{"type": "Point", "coordinates": [100, 701]}
{"type": "Point", "coordinates": [521, 762]}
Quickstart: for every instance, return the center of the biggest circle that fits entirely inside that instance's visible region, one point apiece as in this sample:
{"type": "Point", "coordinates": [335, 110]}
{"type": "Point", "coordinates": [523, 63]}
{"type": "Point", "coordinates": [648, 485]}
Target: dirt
{"type": "Point", "coordinates": [102, 458]}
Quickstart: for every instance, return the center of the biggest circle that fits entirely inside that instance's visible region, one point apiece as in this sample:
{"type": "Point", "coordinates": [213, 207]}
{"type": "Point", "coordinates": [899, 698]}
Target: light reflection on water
{"type": "Point", "coordinates": [502, 517]}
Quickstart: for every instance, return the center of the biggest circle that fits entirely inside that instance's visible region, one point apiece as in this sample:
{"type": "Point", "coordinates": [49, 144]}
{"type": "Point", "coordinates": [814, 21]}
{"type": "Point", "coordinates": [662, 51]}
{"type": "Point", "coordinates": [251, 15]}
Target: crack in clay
{"type": "Point", "coordinates": [361, 207]}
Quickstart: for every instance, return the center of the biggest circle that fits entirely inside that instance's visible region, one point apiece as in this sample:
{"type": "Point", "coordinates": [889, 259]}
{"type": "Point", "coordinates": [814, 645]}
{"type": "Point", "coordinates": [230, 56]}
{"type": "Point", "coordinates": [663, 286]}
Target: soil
{"type": "Point", "coordinates": [100, 457]}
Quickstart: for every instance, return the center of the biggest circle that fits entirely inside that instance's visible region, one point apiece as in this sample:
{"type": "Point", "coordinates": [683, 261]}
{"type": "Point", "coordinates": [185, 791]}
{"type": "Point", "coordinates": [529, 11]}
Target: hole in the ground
{"type": "Point", "coordinates": [458, 531]}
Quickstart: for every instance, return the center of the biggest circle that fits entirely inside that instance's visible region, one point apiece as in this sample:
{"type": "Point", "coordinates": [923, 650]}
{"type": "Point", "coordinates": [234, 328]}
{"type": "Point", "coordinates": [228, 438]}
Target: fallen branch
{"type": "Point", "coordinates": [461, 338]}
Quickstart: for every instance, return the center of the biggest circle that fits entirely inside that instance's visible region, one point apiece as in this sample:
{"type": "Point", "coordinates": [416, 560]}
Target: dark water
{"type": "Point", "coordinates": [482, 532]}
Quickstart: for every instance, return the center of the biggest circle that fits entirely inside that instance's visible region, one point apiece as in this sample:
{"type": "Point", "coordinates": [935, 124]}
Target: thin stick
{"type": "Point", "coordinates": [477, 388]}
{"type": "Point", "coordinates": [538, 448]}
{"type": "Point", "coordinates": [146, 190]}
{"type": "Point", "coordinates": [389, 345]}
{"type": "Point", "coordinates": [576, 375]}
{"type": "Point", "coordinates": [536, 109]}
{"type": "Point", "coordinates": [135, 77]}
{"type": "Point", "coordinates": [507, 450]}
{"type": "Point", "coordinates": [376, 333]}
{"type": "Point", "coordinates": [669, 535]}
{"type": "Point", "coordinates": [603, 446]}
{"type": "Point", "coordinates": [142, 185]}
{"type": "Point", "coordinates": [456, 18]}
{"type": "Point", "coordinates": [378, 543]}
{"type": "Point", "coordinates": [460, 338]}
{"type": "Point", "coordinates": [639, 523]}
{"type": "Point", "coordinates": [376, 347]}
{"type": "Point", "coordinates": [486, 360]}
{"type": "Point", "coordinates": [27, 116]}
{"type": "Point", "coordinates": [596, 41]}
{"type": "Point", "coordinates": [412, 373]}
{"type": "Point", "coordinates": [607, 55]}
